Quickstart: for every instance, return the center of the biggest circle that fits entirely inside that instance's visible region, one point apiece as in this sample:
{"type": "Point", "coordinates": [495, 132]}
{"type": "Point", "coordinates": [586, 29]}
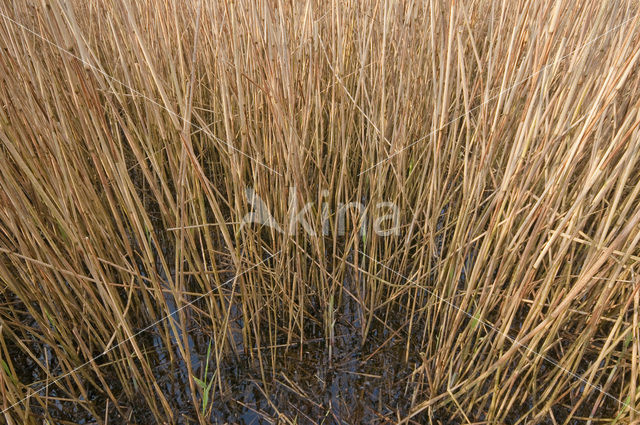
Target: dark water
{"type": "Point", "coordinates": [353, 382]}
{"type": "Point", "coordinates": [349, 380]}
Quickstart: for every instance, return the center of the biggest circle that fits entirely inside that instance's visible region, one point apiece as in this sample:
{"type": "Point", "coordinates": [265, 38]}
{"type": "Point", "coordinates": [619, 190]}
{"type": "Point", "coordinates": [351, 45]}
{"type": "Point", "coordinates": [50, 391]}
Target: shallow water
{"type": "Point", "coordinates": [349, 381]}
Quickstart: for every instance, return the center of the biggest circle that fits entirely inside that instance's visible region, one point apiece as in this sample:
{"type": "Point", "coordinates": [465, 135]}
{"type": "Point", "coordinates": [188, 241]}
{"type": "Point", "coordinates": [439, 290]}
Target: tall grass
{"type": "Point", "coordinates": [506, 132]}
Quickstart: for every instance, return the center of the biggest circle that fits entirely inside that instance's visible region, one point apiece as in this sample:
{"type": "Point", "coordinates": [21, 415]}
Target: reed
{"type": "Point", "coordinates": [132, 289]}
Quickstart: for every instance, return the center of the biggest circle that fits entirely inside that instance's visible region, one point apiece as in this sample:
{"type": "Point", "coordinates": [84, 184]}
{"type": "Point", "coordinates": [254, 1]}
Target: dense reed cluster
{"type": "Point", "coordinates": [136, 137]}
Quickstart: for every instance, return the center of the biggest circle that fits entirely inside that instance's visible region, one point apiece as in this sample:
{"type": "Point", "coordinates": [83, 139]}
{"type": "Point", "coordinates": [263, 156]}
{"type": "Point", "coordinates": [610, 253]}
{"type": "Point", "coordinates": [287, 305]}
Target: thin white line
{"type": "Point", "coordinates": [137, 333]}
{"type": "Point", "coordinates": [206, 131]}
{"type": "Point", "coordinates": [499, 94]}
{"type": "Point", "coordinates": [513, 340]}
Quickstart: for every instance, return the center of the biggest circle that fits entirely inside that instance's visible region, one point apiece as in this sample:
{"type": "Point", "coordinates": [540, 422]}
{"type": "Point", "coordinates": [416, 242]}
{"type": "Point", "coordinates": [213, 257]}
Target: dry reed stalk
{"type": "Point", "coordinates": [506, 133]}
